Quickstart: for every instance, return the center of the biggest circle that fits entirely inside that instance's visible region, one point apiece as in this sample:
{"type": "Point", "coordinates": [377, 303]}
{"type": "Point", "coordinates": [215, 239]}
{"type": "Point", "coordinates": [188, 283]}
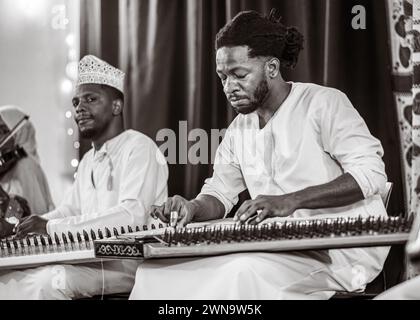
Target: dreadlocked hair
{"type": "Point", "coordinates": [264, 36]}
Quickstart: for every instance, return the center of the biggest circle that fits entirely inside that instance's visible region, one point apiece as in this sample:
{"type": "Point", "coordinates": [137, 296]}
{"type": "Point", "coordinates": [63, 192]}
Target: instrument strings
{"type": "Point", "coordinates": [67, 241]}
{"type": "Point", "coordinates": [288, 230]}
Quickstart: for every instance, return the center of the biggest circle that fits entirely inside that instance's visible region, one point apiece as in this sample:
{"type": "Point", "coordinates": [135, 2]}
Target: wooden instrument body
{"type": "Point", "coordinates": [205, 239]}
{"type": "Point", "coordinates": [276, 236]}
{"type": "Point", "coordinates": [37, 250]}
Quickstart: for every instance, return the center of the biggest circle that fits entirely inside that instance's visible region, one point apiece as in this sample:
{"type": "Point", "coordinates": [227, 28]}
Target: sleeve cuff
{"type": "Point", "coordinates": [50, 225]}
{"type": "Point", "coordinates": [56, 226]}
{"type": "Point", "coordinates": [51, 215]}
{"type": "Point", "coordinates": [368, 187]}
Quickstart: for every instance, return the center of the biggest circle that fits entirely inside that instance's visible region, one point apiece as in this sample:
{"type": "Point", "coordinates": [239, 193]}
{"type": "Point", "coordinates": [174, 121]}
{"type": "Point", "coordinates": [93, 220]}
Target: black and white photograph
{"type": "Point", "coordinates": [220, 153]}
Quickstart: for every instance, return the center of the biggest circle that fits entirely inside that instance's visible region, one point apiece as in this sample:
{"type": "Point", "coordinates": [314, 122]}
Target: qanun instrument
{"type": "Point", "coordinates": [67, 248]}
{"type": "Point", "coordinates": [203, 239]}
{"type": "Point", "coordinates": [272, 236]}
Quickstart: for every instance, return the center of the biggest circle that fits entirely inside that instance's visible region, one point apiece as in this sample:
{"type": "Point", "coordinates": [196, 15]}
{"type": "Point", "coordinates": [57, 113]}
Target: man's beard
{"type": "Point", "coordinates": [259, 96]}
{"type": "Point", "coordinates": [88, 134]}
{"type": "Point", "coordinates": [91, 133]}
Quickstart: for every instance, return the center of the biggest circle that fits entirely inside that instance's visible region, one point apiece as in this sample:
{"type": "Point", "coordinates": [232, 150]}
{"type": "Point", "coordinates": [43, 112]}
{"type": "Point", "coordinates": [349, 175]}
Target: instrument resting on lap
{"type": "Point", "coordinates": [204, 239]}
{"type": "Point", "coordinates": [275, 235]}
{"type": "Point", "coordinates": [36, 250]}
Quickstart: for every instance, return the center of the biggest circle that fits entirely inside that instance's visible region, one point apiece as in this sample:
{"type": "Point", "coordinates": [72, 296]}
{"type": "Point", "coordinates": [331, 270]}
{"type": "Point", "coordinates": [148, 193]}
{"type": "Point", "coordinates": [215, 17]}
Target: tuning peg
{"type": "Point", "coordinates": [49, 239]}
{"type": "Point", "coordinates": [56, 239]}
{"type": "Point", "coordinates": [63, 236]}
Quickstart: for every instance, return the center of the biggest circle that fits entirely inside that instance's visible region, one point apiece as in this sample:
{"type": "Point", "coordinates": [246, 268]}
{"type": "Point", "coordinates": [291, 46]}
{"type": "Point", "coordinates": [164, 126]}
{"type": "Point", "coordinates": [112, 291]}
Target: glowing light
{"type": "Point", "coordinates": [68, 114]}
{"type": "Point", "coordinates": [76, 144]}
{"type": "Point", "coordinates": [59, 20]}
{"type": "Point", "coordinates": [70, 132]}
{"type": "Point", "coordinates": [31, 8]}
{"type": "Point", "coordinates": [75, 175]}
{"type": "Point", "coordinates": [72, 70]}
{"type": "Point", "coordinates": [70, 40]}
{"type": "Point", "coordinates": [74, 163]}
{"type": "Point", "coordinates": [72, 54]}
{"type": "Point", "coordinates": [66, 86]}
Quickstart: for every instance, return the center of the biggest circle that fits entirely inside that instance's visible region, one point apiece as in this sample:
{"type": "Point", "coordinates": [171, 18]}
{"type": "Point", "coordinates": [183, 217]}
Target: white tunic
{"type": "Point", "coordinates": [408, 290]}
{"type": "Point", "coordinates": [114, 187]}
{"type": "Point", "coordinates": [139, 180]}
{"type": "Point", "coordinates": [314, 137]}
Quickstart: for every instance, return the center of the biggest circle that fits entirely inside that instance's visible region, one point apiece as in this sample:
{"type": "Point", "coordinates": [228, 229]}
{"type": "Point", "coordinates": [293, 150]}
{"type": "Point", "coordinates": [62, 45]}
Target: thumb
{"type": "Point", "coordinates": [184, 217]}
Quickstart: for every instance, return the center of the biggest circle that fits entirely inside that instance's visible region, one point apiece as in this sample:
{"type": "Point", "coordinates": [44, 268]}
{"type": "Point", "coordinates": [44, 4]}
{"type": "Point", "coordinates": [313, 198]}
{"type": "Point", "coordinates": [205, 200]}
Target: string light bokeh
{"type": "Point", "coordinates": [61, 21]}
{"type": "Point", "coordinates": [38, 62]}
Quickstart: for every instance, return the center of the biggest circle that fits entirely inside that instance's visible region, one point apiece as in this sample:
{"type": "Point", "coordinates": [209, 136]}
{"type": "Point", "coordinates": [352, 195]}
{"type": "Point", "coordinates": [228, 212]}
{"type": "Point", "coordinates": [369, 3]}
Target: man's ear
{"type": "Point", "coordinates": [117, 107]}
{"type": "Point", "coordinates": [273, 67]}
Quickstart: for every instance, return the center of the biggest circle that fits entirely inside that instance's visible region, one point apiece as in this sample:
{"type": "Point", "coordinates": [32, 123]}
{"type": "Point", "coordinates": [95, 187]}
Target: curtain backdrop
{"type": "Point", "coordinates": [167, 50]}
{"type": "Point", "coordinates": [415, 173]}
{"type": "Point", "coordinates": [404, 26]}
{"type": "Point", "coordinates": [405, 49]}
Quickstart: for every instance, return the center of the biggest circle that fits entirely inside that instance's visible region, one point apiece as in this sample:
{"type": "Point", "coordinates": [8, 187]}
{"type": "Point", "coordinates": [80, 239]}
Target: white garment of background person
{"type": "Point", "coordinates": [408, 290]}
{"type": "Point", "coordinates": [26, 178]}
{"type": "Point", "coordinates": [314, 137]}
{"type": "Point", "coordinates": [132, 165]}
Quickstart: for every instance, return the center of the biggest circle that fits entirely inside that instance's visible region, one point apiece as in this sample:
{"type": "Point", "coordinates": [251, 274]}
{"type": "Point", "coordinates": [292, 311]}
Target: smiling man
{"type": "Point", "coordinates": [301, 150]}
{"type": "Point", "coordinates": [117, 182]}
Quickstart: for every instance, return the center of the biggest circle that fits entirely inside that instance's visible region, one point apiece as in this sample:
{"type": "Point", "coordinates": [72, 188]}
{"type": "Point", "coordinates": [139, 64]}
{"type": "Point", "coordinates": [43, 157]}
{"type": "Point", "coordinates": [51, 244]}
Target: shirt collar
{"type": "Point", "coordinates": [108, 147]}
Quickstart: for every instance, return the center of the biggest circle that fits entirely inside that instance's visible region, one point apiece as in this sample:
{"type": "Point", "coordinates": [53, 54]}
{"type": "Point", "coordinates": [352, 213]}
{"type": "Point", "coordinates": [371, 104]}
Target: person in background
{"type": "Point", "coordinates": [24, 177]}
{"type": "Point", "coordinates": [117, 182]}
{"type": "Point", "coordinates": [409, 289]}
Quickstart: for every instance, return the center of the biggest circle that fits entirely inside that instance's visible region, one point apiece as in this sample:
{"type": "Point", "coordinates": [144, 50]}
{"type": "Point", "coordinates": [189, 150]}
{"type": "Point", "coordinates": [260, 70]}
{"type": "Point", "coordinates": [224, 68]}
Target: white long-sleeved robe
{"type": "Point", "coordinates": [315, 136]}
{"type": "Point", "coordinates": [114, 187]}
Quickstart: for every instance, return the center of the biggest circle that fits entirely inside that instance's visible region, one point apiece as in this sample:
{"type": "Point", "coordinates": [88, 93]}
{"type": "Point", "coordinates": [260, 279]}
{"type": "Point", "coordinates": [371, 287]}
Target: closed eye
{"type": "Point", "coordinates": [241, 76]}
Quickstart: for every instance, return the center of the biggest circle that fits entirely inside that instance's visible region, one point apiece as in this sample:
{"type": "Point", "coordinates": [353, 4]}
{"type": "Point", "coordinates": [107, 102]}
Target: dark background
{"type": "Point", "coordinates": [168, 53]}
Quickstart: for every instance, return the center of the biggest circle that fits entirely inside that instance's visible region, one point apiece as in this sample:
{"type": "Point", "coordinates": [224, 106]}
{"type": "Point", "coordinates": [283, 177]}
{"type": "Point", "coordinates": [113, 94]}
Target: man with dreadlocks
{"type": "Point", "coordinates": [301, 150]}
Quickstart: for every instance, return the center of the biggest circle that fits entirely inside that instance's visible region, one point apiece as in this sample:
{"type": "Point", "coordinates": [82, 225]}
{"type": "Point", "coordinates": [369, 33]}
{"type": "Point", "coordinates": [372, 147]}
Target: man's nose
{"type": "Point", "coordinates": [79, 107]}
{"type": "Point", "coordinates": [230, 86]}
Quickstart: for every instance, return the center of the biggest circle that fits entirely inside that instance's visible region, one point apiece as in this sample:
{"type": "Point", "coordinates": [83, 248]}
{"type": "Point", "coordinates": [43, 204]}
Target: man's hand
{"type": "Point", "coordinates": [266, 207]}
{"type": "Point", "coordinates": [185, 209]}
{"type": "Point", "coordinates": [31, 224]}
{"type": "Point", "coordinates": [6, 228]}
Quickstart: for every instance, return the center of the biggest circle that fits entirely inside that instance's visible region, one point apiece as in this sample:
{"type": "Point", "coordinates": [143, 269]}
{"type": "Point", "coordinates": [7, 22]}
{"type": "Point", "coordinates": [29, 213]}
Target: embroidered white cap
{"type": "Point", "coordinates": [96, 71]}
